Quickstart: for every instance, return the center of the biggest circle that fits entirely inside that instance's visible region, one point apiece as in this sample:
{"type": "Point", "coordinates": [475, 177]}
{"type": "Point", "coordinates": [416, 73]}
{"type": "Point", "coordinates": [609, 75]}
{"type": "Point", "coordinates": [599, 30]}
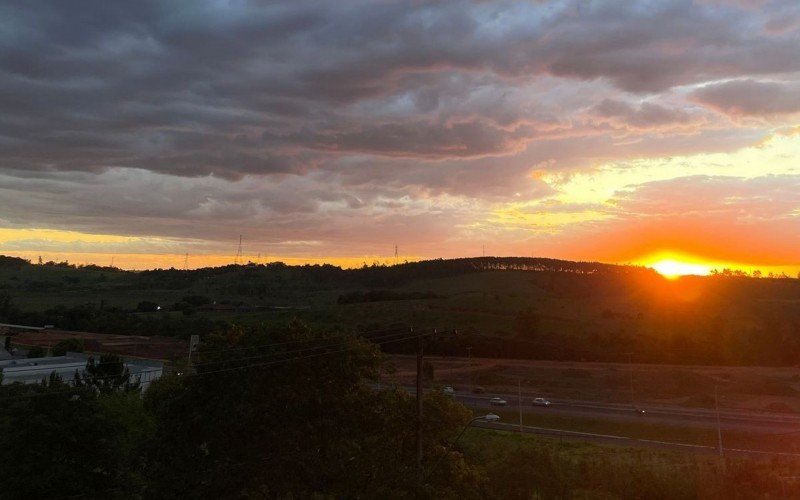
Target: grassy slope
{"type": "Point", "coordinates": [535, 467]}
{"type": "Point", "coordinates": [593, 310]}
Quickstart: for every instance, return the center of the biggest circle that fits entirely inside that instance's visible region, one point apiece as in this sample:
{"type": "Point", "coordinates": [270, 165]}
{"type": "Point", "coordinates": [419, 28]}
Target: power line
{"type": "Point", "coordinates": [222, 370]}
{"type": "Point", "coordinates": [298, 358]}
{"type": "Point", "coordinates": [276, 362]}
{"type": "Point", "coordinates": [297, 351]}
{"type": "Point", "coordinates": [300, 341]}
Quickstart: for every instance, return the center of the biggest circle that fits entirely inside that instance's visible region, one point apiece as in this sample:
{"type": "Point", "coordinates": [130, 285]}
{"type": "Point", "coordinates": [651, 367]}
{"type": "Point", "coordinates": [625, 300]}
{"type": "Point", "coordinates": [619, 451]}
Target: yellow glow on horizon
{"type": "Point", "coordinates": [137, 262]}
{"type": "Point", "coordinates": [60, 236]}
{"type": "Point", "coordinates": [529, 215]}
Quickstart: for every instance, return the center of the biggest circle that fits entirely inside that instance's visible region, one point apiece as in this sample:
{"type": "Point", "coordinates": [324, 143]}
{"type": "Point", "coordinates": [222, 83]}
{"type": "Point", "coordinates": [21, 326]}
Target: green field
{"type": "Point", "coordinates": [749, 440]}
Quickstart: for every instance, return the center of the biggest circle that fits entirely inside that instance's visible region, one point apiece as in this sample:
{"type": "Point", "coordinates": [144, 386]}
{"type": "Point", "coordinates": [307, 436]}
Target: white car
{"type": "Point", "coordinates": [540, 402]}
{"type": "Point", "coordinates": [497, 402]}
{"type": "Point", "coordinates": [449, 390]}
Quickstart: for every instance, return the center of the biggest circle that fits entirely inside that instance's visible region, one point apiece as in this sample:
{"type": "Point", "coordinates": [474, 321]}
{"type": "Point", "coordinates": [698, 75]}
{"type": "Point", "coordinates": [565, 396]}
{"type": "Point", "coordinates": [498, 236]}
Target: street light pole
{"type": "Point", "coordinates": [491, 417]}
{"type": "Point", "coordinates": [519, 403]}
{"type": "Point", "coordinates": [719, 427]}
{"type": "Point", "coordinates": [469, 368]}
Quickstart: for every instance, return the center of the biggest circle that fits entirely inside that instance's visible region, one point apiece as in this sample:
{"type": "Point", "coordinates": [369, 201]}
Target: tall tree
{"type": "Point", "coordinates": [58, 441]}
{"type": "Point", "coordinates": [292, 413]}
{"type": "Point", "coordinates": [108, 374]}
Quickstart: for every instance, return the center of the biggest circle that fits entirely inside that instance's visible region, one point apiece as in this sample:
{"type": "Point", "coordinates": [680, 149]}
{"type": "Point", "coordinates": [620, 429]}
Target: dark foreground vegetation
{"type": "Point", "coordinates": [502, 307]}
{"type": "Point", "coordinates": [290, 413]}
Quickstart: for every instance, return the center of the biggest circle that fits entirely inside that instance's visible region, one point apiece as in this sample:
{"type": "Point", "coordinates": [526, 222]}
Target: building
{"type": "Point", "coordinates": [34, 370]}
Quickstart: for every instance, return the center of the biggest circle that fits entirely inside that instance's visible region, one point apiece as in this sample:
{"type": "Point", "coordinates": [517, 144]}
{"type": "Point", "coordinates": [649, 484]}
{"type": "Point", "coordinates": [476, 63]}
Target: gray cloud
{"type": "Point", "coordinates": [751, 98]}
{"type": "Point", "coordinates": [201, 119]}
{"type": "Point", "coordinates": [645, 116]}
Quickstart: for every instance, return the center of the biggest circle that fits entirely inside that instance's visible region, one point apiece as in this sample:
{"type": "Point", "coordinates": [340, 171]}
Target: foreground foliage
{"type": "Point", "coordinates": [258, 417]}
{"type": "Point", "coordinates": [291, 413]}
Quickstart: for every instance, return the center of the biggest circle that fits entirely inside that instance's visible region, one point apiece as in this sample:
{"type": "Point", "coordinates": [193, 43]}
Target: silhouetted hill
{"type": "Point", "coordinates": [511, 307]}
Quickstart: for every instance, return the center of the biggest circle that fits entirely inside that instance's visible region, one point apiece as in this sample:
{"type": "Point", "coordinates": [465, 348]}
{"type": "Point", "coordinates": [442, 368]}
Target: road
{"type": "Point", "coordinates": [759, 422]}
{"type": "Point", "coordinates": [667, 415]}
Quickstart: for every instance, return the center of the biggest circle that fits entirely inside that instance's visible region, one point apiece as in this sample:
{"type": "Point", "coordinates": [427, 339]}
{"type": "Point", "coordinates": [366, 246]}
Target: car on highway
{"type": "Point", "coordinates": [449, 390]}
{"type": "Point", "coordinates": [478, 390]}
{"type": "Point", "coordinates": [639, 411]}
{"type": "Point", "coordinates": [497, 402]}
{"type": "Point", "coordinates": [540, 402]}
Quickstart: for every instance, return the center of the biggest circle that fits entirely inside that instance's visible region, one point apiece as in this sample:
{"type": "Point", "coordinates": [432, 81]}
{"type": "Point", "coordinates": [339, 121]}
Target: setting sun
{"type": "Point", "coordinates": [673, 269]}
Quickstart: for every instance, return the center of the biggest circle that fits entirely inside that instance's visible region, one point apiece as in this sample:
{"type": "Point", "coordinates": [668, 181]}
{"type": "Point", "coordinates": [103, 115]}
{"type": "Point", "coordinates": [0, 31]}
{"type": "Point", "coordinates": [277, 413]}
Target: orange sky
{"type": "Point", "coordinates": [633, 214]}
{"type": "Point", "coordinates": [613, 131]}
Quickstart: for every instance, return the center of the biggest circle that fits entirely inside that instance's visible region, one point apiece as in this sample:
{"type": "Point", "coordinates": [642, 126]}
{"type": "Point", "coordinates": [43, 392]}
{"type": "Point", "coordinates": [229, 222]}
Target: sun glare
{"type": "Point", "coordinates": [673, 269]}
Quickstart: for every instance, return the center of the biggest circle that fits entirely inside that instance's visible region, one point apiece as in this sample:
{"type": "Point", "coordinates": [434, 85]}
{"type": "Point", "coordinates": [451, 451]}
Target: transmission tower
{"type": "Point", "coordinates": [395, 255]}
{"type": "Point", "coordinates": [186, 262]}
{"type": "Point", "coordinates": [238, 259]}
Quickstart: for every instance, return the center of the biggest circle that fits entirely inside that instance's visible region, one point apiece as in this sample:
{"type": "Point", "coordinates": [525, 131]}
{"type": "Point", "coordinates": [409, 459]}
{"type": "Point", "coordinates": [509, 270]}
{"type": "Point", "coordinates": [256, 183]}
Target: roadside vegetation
{"type": "Point", "coordinates": [649, 430]}
{"type": "Point", "coordinates": [295, 413]}
{"type": "Point", "coordinates": [522, 467]}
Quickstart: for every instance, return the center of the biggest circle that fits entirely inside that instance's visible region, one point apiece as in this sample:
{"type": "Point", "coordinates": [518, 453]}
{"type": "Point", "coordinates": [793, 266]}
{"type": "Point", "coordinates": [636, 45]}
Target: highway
{"type": "Point", "coordinates": [668, 415]}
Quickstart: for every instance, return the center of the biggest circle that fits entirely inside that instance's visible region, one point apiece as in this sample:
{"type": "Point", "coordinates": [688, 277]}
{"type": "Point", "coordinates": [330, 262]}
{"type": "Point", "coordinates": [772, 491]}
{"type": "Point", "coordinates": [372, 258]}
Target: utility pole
{"type": "Point", "coordinates": [719, 427]}
{"type": "Point", "coordinates": [420, 358]}
{"type": "Point", "coordinates": [186, 262]}
{"type": "Point", "coordinates": [238, 258]}
{"type": "Point", "coordinates": [420, 347]}
{"type": "Point", "coordinates": [519, 402]}
{"type": "Point", "coordinates": [194, 341]}
{"type": "Point", "coordinates": [630, 373]}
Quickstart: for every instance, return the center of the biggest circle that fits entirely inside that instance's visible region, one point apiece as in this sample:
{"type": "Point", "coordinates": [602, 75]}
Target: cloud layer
{"type": "Point", "coordinates": [352, 124]}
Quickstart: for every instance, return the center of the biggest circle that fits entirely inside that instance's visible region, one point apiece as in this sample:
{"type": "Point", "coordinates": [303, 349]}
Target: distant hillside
{"type": "Point", "coordinates": [511, 307]}
{"type": "Point", "coordinates": [41, 286]}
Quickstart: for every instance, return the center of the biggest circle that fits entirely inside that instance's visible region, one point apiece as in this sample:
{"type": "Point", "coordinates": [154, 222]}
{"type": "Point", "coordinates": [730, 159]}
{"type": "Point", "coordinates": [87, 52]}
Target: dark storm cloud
{"type": "Point", "coordinates": [235, 88]}
{"type": "Point", "coordinates": [353, 120]}
{"type": "Point", "coordinates": [426, 140]}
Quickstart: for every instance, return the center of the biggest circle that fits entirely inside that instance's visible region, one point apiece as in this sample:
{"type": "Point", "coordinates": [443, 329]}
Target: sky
{"type": "Point", "coordinates": [319, 131]}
